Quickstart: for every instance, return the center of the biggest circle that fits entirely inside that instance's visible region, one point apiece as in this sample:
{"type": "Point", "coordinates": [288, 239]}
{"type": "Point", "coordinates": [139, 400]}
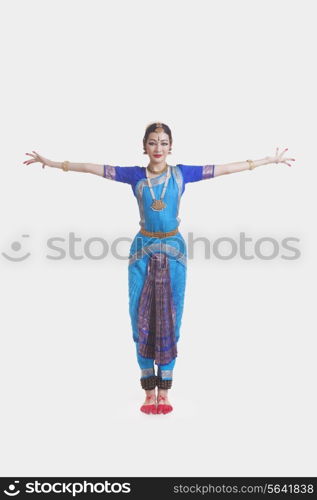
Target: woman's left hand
{"type": "Point", "coordinates": [278, 158]}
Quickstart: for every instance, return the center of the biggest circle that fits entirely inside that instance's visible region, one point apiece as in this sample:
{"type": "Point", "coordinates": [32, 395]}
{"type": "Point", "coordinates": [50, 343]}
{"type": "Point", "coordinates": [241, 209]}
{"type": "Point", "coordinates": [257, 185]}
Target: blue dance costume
{"type": "Point", "coordinates": [156, 313]}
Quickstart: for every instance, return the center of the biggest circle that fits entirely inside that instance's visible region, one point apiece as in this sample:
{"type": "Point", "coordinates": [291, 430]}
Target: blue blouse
{"type": "Point", "coordinates": [167, 219]}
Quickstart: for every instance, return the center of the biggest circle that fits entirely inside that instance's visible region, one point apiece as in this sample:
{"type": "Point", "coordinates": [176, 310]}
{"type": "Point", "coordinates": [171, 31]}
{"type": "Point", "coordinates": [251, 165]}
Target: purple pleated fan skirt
{"type": "Point", "coordinates": [157, 313]}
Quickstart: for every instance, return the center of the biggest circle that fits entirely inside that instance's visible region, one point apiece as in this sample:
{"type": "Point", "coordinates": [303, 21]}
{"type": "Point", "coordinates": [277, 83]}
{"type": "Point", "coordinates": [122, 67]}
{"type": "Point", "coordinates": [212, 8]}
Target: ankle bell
{"type": "Point", "coordinates": [148, 383]}
{"type": "Point", "coordinates": [163, 383]}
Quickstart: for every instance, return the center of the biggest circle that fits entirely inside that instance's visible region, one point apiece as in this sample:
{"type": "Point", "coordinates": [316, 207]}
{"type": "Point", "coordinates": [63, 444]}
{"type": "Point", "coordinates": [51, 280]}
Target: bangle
{"type": "Point", "coordinates": [65, 166]}
{"type": "Point", "coordinates": [252, 164]}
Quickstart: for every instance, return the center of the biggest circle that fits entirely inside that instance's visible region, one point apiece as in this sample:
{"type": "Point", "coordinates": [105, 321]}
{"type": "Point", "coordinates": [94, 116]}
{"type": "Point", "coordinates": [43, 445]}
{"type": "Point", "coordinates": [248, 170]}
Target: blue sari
{"type": "Point", "coordinates": [166, 220]}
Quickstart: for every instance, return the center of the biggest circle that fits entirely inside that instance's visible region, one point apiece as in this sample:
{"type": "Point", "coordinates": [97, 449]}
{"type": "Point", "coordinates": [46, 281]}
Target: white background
{"type": "Point", "coordinates": [81, 81]}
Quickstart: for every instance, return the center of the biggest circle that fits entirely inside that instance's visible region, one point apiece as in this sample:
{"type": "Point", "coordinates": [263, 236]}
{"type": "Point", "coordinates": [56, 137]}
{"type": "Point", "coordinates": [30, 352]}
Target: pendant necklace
{"type": "Point", "coordinates": [158, 205]}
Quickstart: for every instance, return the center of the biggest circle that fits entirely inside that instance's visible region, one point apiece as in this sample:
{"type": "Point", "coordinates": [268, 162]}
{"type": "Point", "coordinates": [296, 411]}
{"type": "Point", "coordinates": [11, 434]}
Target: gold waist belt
{"type": "Point", "coordinates": [158, 234]}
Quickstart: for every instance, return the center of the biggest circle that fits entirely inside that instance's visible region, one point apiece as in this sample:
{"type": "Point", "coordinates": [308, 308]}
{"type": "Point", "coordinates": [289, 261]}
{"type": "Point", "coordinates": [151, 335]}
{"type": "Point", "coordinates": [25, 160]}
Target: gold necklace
{"type": "Point", "coordinates": [155, 172]}
{"type": "Point", "coordinates": [158, 205]}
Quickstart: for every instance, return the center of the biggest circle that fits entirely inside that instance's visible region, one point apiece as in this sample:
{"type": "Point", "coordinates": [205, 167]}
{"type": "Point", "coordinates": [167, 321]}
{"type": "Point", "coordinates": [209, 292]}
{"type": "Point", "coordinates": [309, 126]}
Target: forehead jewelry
{"type": "Point", "coordinates": [158, 205]}
{"type": "Point", "coordinates": [159, 128]}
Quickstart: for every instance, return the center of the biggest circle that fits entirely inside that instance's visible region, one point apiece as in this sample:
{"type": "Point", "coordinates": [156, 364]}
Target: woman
{"type": "Point", "coordinates": [158, 255]}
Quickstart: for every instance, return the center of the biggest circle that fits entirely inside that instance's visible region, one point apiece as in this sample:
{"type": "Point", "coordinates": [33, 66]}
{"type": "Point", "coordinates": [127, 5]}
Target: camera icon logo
{"type": "Point", "coordinates": [12, 490]}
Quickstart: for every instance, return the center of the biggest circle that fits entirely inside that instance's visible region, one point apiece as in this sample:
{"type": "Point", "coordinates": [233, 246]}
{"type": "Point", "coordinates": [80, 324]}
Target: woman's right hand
{"type": "Point", "coordinates": [37, 158]}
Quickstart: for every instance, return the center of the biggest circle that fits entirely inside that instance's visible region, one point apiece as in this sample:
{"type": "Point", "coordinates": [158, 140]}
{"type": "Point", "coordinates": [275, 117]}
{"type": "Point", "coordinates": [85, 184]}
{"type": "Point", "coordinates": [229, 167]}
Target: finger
{"type": "Point", "coordinates": [284, 151]}
{"type": "Point", "coordinates": [276, 153]}
{"type": "Point", "coordinates": [34, 159]}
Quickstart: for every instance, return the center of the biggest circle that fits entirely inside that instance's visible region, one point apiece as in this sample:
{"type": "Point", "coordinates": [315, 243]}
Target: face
{"type": "Point", "coordinates": [157, 147]}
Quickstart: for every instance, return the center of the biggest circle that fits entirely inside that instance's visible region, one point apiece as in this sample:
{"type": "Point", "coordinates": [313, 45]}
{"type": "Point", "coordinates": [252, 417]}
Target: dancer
{"type": "Point", "coordinates": [158, 253]}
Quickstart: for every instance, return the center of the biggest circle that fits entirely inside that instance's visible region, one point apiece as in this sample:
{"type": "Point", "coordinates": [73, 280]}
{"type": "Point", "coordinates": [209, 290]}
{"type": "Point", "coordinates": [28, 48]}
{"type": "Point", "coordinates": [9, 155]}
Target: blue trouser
{"type": "Point", "coordinates": [147, 367]}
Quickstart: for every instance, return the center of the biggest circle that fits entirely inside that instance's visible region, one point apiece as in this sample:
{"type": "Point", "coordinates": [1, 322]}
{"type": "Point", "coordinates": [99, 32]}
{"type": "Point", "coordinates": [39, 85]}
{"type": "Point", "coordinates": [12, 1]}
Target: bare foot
{"type": "Point", "coordinates": [149, 405]}
{"type": "Point", "coordinates": [163, 404]}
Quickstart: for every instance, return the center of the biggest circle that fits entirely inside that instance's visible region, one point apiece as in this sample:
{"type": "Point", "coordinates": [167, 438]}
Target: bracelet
{"type": "Point", "coordinates": [252, 164]}
{"type": "Point", "coordinates": [65, 166]}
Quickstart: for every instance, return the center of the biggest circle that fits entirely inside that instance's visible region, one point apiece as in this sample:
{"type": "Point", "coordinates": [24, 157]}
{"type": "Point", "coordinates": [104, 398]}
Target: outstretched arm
{"type": "Point", "coordinates": [128, 175]}
{"type": "Point", "coordinates": [231, 168]}
{"type": "Point", "coordinates": [91, 168]}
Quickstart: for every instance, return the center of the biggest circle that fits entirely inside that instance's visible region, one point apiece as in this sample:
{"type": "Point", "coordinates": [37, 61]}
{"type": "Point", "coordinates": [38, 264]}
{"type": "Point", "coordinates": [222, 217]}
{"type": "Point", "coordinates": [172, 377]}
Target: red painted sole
{"type": "Point", "coordinates": [149, 409]}
{"type": "Point", "coordinates": [164, 408]}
